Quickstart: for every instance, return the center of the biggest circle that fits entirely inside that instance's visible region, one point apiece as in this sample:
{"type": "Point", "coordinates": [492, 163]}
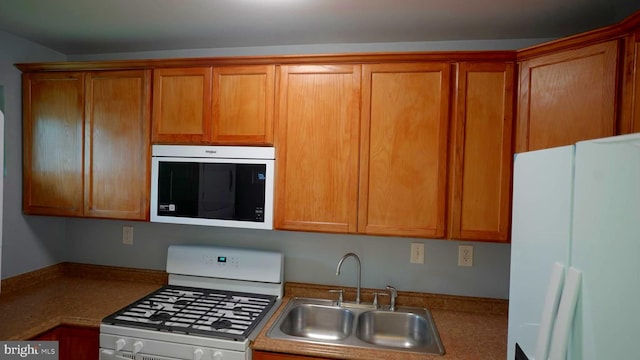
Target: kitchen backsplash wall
{"type": "Point", "coordinates": [309, 257]}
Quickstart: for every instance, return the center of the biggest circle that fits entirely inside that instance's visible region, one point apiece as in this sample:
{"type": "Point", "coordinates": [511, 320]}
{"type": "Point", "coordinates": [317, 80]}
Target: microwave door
{"type": "Point", "coordinates": [177, 195]}
{"type": "Point", "coordinates": [250, 199]}
{"type": "Point", "coordinates": [217, 189]}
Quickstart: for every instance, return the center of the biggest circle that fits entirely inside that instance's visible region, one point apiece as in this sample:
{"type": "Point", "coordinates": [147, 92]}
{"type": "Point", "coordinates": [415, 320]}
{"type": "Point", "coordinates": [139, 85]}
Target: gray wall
{"type": "Point", "coordinates": [505, 44]}
{"type": "Point", "coordinates": [32, 242]}
{"type": "Point", "coordinates": [28, 242]}
{"type": "Point", "coordinates": [309, 257]}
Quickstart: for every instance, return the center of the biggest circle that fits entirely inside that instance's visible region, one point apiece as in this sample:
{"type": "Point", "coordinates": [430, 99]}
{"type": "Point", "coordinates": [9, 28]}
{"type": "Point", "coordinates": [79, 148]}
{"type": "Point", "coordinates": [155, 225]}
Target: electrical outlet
{"type": "Point", "coordinates": [127, 235]}
{"type": "Point", "coordinates": [417, 253]}
{"type": "Point", "coordinates": [465, 255]}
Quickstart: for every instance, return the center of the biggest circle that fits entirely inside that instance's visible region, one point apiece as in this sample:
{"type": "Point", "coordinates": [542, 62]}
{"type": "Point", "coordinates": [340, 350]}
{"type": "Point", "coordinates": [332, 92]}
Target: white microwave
{"type": "Point", "coordinates": [228, 186]}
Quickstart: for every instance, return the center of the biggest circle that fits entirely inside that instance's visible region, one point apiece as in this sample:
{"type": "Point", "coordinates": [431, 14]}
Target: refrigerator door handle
{"type": "Point", "coordinates": [549, 311]}
{"type": "Point", "coordinates": [566, 312]}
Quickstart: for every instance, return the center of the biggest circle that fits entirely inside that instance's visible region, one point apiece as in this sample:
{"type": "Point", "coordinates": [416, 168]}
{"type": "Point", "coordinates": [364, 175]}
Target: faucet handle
{"type": "Point", "coordinates": [340, 296]}
{"type": "Point", "coordinates": [375, 298]}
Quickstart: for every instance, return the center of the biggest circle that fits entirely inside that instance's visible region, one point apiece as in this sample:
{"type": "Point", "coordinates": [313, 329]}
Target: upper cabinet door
{"type": "Point", "coordinates": [243, 102]}
{"type": "Point", "coordinates": [317, 148]}
{"type": "Point", "coordinates": [52, 143]}
{"type": "Point", "coordinates": [635, 122]}
{"type": "Point", "coordinates": [481, 153]}
{"type": "Point", "coordinates": [567, 96]}
{"type": "Point", "coordinates": [182, 105]}
{"type": "Point", "coordinates": [403, 161]}
{"type": "Point", "coordinates": [117, 144]}
{"type": "Point", "coordinates": [630, 99]}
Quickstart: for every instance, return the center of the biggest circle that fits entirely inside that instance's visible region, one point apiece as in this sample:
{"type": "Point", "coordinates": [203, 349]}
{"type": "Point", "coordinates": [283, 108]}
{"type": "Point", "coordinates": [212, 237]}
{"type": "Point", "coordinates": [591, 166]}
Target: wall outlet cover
{"type": "Point", "coordinates": [465, 255]}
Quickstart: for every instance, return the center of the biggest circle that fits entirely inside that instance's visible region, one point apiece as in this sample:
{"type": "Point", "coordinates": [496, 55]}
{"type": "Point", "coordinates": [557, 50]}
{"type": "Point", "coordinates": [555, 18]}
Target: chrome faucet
{"type": "Point", "coordinates": [359, 272]}
{"type": "Point", "coordinates": [393, 293]}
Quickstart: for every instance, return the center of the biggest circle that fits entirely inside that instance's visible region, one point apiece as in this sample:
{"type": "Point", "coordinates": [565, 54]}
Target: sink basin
{"type": "Point", "coordinates": [394, 329]}
{"type": "Point", "coordinates": [408, 329]}
{"type": "Point", "coordinates": [318, 322]}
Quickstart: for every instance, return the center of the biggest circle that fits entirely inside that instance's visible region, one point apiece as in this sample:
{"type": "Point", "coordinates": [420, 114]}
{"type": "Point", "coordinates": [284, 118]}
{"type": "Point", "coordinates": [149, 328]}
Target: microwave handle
{"type": "Point", "coordinates": [230, 180]}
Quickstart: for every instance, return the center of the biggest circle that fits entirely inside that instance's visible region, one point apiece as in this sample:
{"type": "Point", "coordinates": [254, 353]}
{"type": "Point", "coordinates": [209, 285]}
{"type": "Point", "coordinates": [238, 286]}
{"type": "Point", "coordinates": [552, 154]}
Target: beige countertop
{"type": "Point", "coordinates": [77, 294]}
{"type": "Point", "coordinates": [70, 294]}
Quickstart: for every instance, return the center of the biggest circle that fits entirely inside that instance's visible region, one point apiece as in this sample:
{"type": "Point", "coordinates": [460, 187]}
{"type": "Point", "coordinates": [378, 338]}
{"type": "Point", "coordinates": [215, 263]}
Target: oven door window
{"type": "Point", "coordinates": [224, 191]}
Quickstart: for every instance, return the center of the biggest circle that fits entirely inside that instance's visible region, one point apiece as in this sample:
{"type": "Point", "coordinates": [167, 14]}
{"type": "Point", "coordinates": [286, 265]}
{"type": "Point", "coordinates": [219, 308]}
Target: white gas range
{"type": "Point", "coordinates": [216, 302]}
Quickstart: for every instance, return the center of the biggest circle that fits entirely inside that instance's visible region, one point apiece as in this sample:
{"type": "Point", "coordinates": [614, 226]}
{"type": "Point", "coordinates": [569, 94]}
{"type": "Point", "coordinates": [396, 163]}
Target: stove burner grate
{"type": "Point", "coordinates": [187, 310]}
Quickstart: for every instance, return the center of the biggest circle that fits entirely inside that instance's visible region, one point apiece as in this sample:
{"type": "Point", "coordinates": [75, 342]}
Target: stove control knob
{"type": "Point", "coordinates": [120, 343]}
{"type": "Point", "coordinates": [217, 355]}
{"type": "Point", "coordinates": [197, 354]}
{"type": "Point", "coordinates": [137, 347]}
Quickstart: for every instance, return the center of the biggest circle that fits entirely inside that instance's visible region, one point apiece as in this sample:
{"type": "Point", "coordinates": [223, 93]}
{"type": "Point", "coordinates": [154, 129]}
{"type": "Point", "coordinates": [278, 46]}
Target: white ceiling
{"type": "Point", "coordinates": [76, 27]}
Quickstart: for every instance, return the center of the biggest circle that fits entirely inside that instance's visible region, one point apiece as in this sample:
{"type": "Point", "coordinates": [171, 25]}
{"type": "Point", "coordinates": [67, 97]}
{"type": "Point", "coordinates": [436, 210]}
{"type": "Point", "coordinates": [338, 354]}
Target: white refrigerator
{"type": "Point", "coordinates": [576, 208]}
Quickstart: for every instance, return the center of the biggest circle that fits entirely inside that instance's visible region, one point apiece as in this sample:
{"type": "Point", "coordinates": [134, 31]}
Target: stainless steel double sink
{"type": "Point", "coordinates": [321, 321]}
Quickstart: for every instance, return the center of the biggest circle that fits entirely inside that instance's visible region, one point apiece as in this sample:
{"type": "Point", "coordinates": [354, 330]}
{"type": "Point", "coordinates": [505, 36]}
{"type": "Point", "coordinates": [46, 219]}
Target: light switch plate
{"type": "Point", "coordinates": [417, 253]}
{"type": "Point", "coordinates": [127, 235]}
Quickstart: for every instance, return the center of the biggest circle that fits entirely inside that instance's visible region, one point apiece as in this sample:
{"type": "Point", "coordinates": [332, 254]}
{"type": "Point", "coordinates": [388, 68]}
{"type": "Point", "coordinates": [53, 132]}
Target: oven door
{"type": "Point", "coordinates": [217, 192]}
{"type": "Point", "coordinates": [118, 355]}
{"type": "Point", "coordinates": [133, 345]}
{"type": "Point", "coordinates": [198, 354]}
{"type": "Point", "coordinates": [106, 354]}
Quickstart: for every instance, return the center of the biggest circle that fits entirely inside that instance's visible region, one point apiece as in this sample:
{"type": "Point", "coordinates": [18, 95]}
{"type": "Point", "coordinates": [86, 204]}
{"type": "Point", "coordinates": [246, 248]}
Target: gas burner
{"type": "Point", "coordinates": [197, 311]}
{"type": "Point", "coordinates": [222, 324]}
{"type": "Point", "coordinates": [160, 317]}
{"type": "Point", "coordinates": [182, 303]}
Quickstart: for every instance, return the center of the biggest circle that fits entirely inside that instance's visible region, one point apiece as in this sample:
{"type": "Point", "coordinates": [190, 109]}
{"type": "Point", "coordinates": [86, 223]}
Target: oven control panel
{"type": "Point", "coordinates": [221, 260]}
{"type": "Point", "coordinates": [225, 263]}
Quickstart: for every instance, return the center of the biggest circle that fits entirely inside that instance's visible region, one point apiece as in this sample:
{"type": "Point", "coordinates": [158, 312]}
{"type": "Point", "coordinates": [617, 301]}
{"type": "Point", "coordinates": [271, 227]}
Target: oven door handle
{"type": "Point", "coordinates": [106, 354]}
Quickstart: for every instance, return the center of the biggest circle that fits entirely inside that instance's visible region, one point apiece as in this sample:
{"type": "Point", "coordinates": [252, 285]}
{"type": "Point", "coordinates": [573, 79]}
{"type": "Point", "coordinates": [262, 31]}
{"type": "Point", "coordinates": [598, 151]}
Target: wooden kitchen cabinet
{"type": "Point", "coordinates": [243, 104]}
{"type": "Point", "coordinates": [49, 335]}
{"type": "Point", "coordinates": [53, 105]}
{"type": "Point", "coordinates": [635, 119]}
{"type": "Point", "coordinates": [264, 355]}
{"type": "Point", "coordinates": [86, 147]}
{"type": "Point", "coordinates": [116, 150]}
{"type": "Point", "coordinates": [630, 109]}
{"type": "Point", "coordinates": [481, 153]}
{"type": "Point", "coordinates": [567, 96]}
{"type": "Point", "coordinates": [317, 148]}
{"type": "Point", "coordinates": [214, 105]}
{"type": "Point", "coordinates": [403, 161]}
{"type": "Point", "coordinates": [387, 177]}
{"type": "Point", "coordinates": [78, 342]}
{"type": "Point", "coordinates": [74, 342]}
{"type": "Point", "coordinates": [182, 105]}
